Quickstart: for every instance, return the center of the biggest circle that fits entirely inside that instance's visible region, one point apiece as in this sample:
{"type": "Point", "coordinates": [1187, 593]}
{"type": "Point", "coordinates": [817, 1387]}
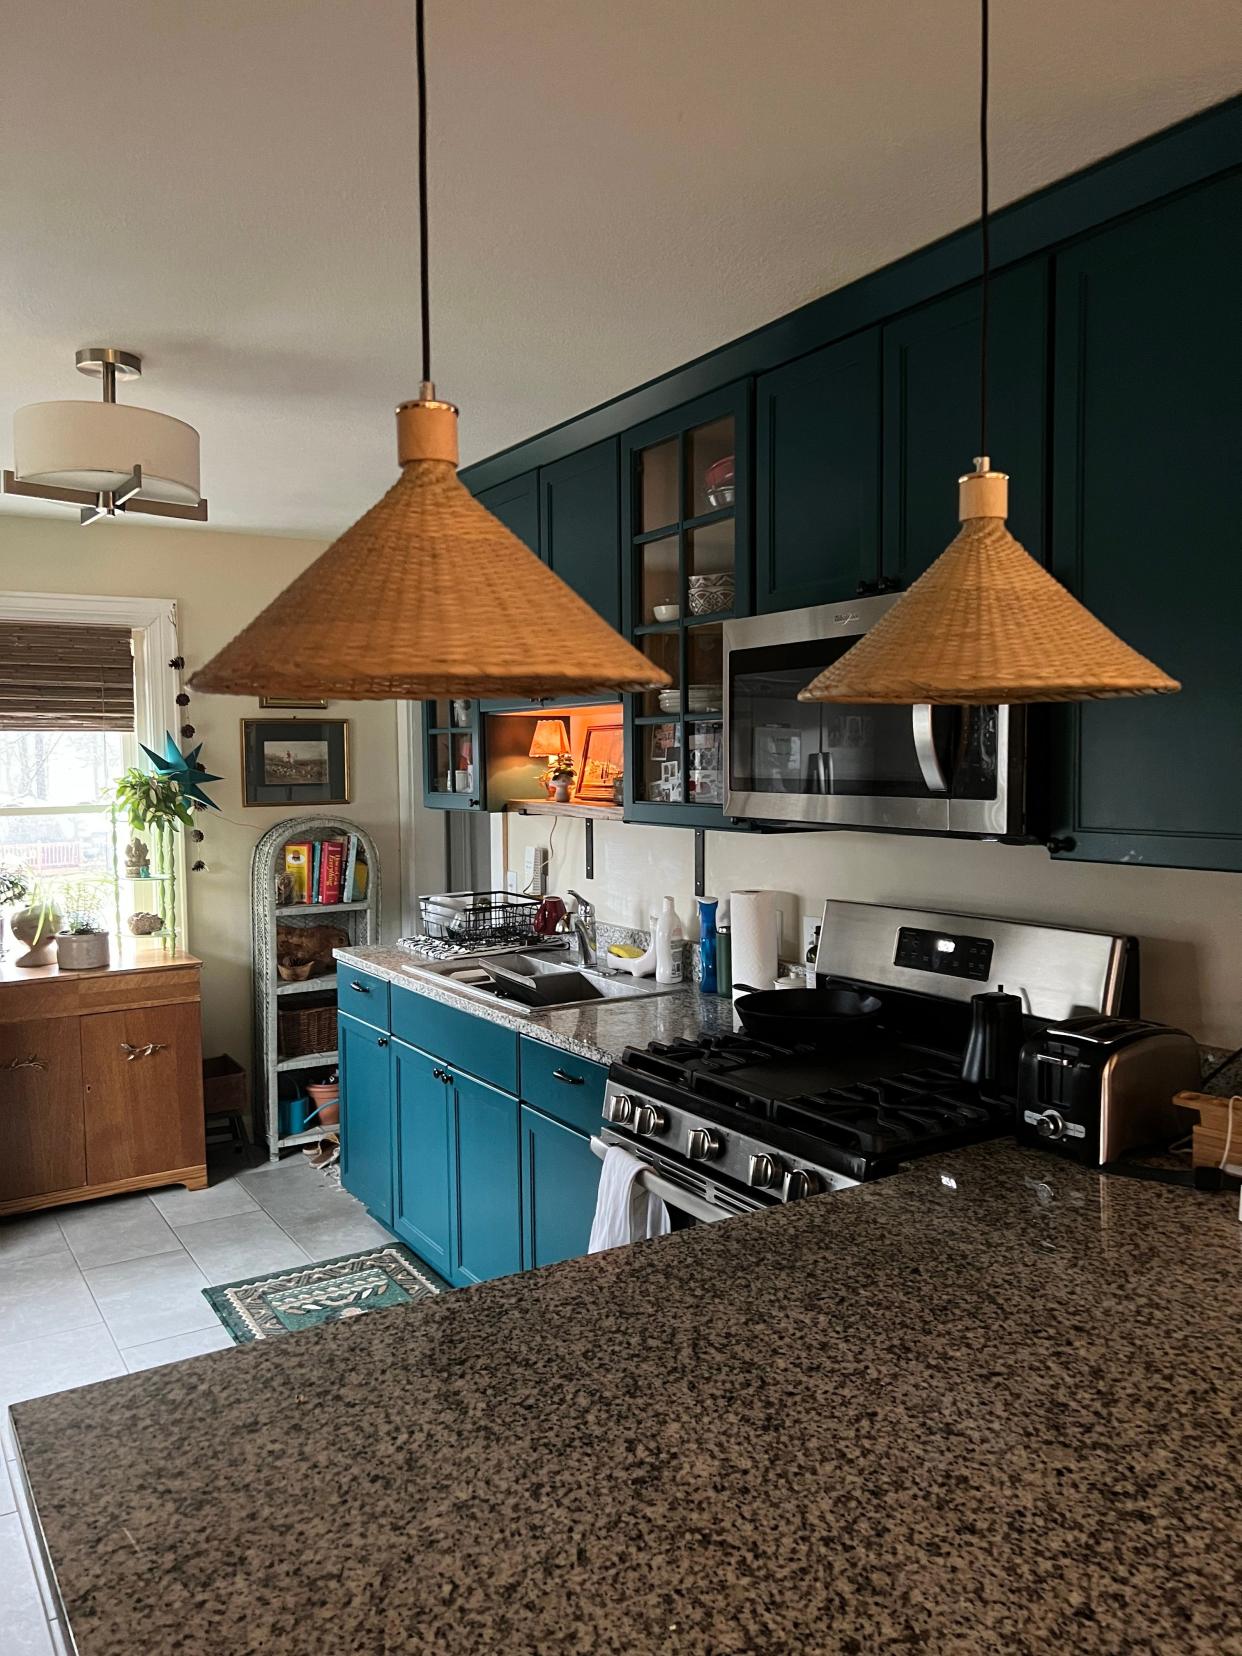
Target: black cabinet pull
{"type": "Point", "coordinates": [442, 1075]}
{"type": "Point", "coordinates": [359, 988]}
{"type": "Point", "coordinates": [474, 804]}
{"type": "Point", "coordinates": [567, 1078]}
{"type": "Point", "coordinates": [382, 1040]}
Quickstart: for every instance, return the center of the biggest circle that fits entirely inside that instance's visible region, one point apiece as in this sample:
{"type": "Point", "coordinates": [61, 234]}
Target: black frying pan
{"type": "Point", "coordinates": [818, 1017]}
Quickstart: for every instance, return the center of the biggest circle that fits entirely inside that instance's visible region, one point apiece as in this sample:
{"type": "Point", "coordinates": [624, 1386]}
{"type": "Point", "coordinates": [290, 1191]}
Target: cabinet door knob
{"type": "Point", "coordinates": [567, 1078]}
{"type": "Point", "coordinates": [381, 1040]}
{"type": "Point", "coordinates": [25, 1063]}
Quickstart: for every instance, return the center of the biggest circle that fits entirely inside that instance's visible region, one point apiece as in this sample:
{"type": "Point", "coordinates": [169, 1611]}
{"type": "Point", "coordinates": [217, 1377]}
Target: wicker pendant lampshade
{"type": "Point", "coordinates": [986, 624]}
{"type": "Point", "coordinates": [427, 594]}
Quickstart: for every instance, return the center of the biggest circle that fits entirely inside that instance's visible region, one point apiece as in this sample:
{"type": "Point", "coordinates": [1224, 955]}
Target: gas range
{"type": "Point", "coordinates": [728, 1124]}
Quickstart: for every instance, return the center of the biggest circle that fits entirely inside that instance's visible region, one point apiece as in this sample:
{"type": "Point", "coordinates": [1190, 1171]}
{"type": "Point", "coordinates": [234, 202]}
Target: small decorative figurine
{"type": "Point", "coordinates": [137, 858]}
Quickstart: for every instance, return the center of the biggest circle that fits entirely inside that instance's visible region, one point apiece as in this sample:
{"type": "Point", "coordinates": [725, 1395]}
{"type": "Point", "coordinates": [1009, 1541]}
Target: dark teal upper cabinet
{"type": "Point", "coordinates": [931, 415]}
{"type": "Point", "coordinates": [1147, 519]}
{"type": "Point", "coordinates": [452, 754]}
{"type": "Point", "coordinates": [686, 567]}
{"type": "Point", "coordinates": [516, 504]}
{"type": "Point", "coordinates": [817, 476]}
{"type": "Point", "coordinates": [580, 526]}
{"type": "Point", "coordinates": [366, 1121]}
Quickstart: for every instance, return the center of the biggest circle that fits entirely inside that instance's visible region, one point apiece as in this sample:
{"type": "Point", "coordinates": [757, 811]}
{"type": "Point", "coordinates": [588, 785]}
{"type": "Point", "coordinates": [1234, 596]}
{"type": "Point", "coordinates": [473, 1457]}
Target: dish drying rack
{"type": "Point", "coordinates": [480, 919]}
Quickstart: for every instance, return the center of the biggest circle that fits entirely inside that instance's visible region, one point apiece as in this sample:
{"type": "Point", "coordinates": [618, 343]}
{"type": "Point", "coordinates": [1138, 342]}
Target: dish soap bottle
{"type": "Point", "coordinates": [707, 945]}
{"type": "Point", "coordinates": [669, 937]}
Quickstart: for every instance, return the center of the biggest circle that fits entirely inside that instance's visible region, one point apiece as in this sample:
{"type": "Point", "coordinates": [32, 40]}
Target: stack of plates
{"type": "Point", "coordinates": [700, 698]}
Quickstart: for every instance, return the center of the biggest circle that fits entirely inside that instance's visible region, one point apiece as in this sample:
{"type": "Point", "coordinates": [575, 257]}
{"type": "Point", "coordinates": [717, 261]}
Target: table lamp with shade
{"type": "Point", "coordinates": [551, 742]}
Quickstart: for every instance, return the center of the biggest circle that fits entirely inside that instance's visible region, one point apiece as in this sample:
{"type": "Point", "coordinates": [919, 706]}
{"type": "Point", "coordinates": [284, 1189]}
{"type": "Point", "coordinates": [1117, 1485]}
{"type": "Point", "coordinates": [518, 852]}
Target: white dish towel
{"type": "Point", "coordinates": [624, 1211]}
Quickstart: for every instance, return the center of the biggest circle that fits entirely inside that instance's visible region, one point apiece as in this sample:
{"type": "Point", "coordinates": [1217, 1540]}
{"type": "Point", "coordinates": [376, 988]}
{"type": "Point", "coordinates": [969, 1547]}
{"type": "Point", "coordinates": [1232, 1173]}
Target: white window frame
{"type": "Point", "coordinates": [153, 622]}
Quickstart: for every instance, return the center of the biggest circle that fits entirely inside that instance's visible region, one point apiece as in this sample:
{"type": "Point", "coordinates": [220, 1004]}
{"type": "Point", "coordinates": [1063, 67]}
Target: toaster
{"type": "Point", "coordinates": [1094, 1087]}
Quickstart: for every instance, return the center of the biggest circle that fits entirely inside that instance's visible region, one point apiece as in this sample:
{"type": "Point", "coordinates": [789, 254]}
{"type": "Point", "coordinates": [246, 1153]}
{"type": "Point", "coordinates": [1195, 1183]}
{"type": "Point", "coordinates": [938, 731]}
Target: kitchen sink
{"type": "Point", "coordinates": [530, 980]}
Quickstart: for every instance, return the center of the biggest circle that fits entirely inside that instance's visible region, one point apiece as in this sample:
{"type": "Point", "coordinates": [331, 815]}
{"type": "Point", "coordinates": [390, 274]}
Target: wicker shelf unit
{"type": "Point", "coordinates": [274, 998]}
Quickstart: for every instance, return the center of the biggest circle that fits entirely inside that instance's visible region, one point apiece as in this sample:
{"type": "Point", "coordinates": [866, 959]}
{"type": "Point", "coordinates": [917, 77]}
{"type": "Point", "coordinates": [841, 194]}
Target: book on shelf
{"type": "Point", "coordinates": [313, 895]}
{"type": "Point", "coordinates": [298, 857]}
{"type": "Point", "coordinates": [347, 873]}
{"type": "Point", "coordinates": [330, 871]}
{"type": "Point", "coordinates": [358, 890]}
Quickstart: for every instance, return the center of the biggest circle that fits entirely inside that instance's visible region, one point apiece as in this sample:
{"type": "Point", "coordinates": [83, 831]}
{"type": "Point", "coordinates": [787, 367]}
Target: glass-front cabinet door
{"type": "Point", "coordinates": [452, 770]}
{"type": "Point", "coordinates": [687, 570]}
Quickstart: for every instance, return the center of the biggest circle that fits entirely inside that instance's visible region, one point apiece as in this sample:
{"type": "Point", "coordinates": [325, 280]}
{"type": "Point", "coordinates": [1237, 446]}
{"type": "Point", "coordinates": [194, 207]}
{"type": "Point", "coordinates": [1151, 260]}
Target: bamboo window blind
{"type": "Point", "coordinates": [55, 677]}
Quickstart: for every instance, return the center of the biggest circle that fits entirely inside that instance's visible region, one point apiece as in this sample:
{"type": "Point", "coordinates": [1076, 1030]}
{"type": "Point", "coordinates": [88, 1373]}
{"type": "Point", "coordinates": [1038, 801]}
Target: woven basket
{"type": "Point", "coordinates": [303, 1029]}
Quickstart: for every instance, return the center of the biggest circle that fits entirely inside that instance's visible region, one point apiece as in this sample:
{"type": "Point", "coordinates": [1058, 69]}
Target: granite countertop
{"type": "Point", "coordinates": [599, 1030]}
{"type": "Point", "coordinates": [989, 1404]}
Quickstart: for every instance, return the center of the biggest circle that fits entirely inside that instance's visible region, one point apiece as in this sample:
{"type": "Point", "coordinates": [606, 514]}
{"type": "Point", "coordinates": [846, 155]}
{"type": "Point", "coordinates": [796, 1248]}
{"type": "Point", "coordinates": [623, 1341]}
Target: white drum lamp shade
{"type": "Point", "coordinates": [96, 445]}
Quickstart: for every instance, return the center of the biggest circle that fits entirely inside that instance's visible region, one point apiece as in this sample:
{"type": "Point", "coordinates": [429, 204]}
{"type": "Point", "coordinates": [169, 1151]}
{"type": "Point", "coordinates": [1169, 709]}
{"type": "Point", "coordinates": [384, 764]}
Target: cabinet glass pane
{"type": "Point", "coordinates": [657, 598]}
{"type": "Point", "coordinates": [657, 475]}
{"type": "Point", "coordinates": [709, 467]}
{"type": "Point", "coordinates": [452, 763]}
{"type": "Point", "coordinates": [705, 669]}
{"type": "Point", "coordinates": [660, 775]}
{"type": "Point", "coordinates": [450, 712]}
{"type": "Point", "coordinates": [710, 580]}
{"type": "Point", "coordinates": [705, 756]}
{"type": "Point", "coordinates": [440, 763]}
{"type": "Point", "coordinates": [665, 650]}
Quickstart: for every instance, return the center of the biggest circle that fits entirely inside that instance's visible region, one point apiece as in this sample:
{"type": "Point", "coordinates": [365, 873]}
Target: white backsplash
{"type": "Point", "coordinates": [1189, 923]}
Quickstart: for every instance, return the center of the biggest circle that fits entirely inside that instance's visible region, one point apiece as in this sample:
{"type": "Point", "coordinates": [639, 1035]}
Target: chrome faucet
{"type": "Point", "coordinates": [583, 923]}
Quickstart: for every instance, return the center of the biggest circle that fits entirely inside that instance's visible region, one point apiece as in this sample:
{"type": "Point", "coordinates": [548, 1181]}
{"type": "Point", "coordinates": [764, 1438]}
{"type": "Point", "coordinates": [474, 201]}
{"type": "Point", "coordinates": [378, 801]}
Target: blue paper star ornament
{"type": "Point", "coordinates": [183, 769]}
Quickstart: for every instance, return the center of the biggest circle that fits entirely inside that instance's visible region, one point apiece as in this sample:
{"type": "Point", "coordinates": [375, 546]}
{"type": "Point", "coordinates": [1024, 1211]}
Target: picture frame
{"type": "Point", "coordinates": [603, 761]}
{"type": "Point", "coordinates": [295, 761]}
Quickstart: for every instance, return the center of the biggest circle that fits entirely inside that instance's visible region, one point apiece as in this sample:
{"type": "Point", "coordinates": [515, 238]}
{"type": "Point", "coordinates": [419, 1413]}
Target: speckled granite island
{"type": "Point", "coordinates": [987, 1405]}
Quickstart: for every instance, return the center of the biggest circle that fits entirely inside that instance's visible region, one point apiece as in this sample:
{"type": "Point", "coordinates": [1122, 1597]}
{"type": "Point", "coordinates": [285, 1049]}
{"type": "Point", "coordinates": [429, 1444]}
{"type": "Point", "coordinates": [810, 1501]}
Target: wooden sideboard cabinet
{"type": "Point", "coordinates": [101, 1080]}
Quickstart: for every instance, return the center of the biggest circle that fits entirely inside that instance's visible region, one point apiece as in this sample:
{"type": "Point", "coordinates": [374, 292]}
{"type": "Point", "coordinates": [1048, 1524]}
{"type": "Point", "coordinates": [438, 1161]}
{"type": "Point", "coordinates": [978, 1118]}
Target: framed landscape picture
{"type": "Point", "coordinates": [603, 761]}
{"type": "Point", "coordinates": [295, 761]}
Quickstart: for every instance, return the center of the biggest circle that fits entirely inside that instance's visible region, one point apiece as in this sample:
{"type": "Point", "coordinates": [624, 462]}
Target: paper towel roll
{"type": "Point", "coordinates": [756, 931]}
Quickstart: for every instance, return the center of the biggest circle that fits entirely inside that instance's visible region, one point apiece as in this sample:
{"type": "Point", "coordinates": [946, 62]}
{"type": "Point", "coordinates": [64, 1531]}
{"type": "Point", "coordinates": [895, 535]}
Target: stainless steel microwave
{"type": "Point", "coordinates": [923, 769]}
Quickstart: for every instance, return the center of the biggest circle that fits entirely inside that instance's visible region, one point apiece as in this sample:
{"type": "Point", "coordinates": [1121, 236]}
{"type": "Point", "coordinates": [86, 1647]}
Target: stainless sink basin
{"type": "Point", "coordinates": [555, 981]}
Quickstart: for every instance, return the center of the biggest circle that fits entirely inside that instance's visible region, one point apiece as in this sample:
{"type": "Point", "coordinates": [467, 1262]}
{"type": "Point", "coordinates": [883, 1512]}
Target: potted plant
{"type": "Point", "coordinates": [14, 888]}
{"type": "Point", "coordinates": [82, 944]}
{"type": "Point", "coordinates": [562, 781]}
{"type": "Point", "coordinates": [155, 803]}
{"type": "Point", "coordinates": [36, 925]}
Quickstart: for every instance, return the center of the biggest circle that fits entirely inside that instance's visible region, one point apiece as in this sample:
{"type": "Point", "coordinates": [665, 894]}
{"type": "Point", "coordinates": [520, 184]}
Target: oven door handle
{"type": "Point", "coordinates": [673, 1194]}
{"type": "Point", "coordinates": [925, 748]}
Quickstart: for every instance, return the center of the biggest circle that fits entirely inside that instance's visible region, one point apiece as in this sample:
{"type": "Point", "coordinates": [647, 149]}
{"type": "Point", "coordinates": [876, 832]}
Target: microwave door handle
{"type": "Point", "coordinates": [925, 748]}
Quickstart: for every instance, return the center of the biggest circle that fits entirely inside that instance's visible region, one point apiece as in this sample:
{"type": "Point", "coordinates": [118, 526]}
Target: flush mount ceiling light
{"type": "Point", "coordinates": [986, 623]}
{"type": "Point", "coordinates": [106, 457]}
{"type": "Point", "coordinates": [427, 594]}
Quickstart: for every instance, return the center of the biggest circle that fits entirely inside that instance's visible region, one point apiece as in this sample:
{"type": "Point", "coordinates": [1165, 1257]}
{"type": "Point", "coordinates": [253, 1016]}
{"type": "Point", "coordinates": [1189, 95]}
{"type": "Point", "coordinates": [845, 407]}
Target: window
{"type": "Point", "coordinates": [66, 734]}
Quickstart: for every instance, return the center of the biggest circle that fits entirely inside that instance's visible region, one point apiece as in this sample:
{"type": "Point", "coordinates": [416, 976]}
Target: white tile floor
{"type": "Point", "coordinates": [114, 1286]}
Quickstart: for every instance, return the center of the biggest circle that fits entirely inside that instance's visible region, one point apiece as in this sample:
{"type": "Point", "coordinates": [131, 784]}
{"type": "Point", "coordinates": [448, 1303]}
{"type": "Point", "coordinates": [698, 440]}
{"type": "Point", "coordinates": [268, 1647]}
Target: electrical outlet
{"type": "Point", "coordinates": [511, 880]}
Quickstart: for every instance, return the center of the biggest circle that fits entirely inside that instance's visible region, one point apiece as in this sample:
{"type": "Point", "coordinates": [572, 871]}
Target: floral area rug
{"type": "Point", "coordinates": [259, 1308]}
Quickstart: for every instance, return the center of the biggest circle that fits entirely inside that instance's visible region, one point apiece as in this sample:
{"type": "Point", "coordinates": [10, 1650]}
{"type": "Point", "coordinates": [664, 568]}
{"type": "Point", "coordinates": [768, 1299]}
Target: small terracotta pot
{"type": "Point", "coordinates": [325, 1096]}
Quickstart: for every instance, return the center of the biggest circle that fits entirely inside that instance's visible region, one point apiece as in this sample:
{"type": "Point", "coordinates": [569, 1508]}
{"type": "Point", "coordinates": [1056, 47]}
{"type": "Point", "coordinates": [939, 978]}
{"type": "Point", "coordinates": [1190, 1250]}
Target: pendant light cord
{"type": "Point", "coordinates": [984, 237]}
{"type": "Point", "coordinates": [420, 48]}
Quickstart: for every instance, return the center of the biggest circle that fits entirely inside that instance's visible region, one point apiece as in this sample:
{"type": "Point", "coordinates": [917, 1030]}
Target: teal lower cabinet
{"type": "Point", "coordinates": [366, 1116]}
{"type": "Point", "coordinates": [487, 1215]}
{"type": "Point", "coordinates": [422, 1107]}
{"type": "Point", "coordinates": [560, 1178]}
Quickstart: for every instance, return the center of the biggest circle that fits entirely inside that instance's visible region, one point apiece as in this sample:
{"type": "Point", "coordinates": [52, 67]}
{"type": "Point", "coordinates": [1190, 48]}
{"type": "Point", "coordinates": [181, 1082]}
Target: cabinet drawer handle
{"type": "Point", "coordinates": [567, 1078]}
{"type": "Point", "coordinates": [132, 1052]}
{"type": "Point", "coordinates": [359, 988]}
{"type": "Point", "coordinates": [25, 1063]}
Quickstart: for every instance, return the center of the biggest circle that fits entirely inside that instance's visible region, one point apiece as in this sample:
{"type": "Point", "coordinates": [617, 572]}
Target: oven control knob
{"type": "Point", "coordinates": [1051, 1125]}
{"type": "Point", "coordinates": [764, 1171]}
{"type": "Point", "coordinates": [619, 1108]}
{"type": "Point", "coordinates": [703, 1145]}
{"type": "Point", "coordinates": [648, 1120]}
{"type": "Point", "coordinates": [799, 1183]}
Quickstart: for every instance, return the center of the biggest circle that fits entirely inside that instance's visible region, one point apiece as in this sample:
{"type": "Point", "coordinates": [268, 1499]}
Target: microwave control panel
{"type": "Point", "coordinates": [944, 953]}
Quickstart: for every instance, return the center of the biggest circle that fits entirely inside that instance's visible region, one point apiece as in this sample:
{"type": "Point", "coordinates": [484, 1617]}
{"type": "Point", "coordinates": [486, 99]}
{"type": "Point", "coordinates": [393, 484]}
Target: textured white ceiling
{"type": "Point", "coordinates": [617, 186]}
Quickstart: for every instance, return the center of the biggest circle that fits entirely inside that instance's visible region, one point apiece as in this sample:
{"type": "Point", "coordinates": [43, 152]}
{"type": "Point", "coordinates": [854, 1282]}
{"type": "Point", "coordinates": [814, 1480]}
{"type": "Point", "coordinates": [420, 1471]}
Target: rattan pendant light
{"type": "Point", "coordinates": [427, 594]}
{"type": "Point", "coordinates": [986, 623]}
